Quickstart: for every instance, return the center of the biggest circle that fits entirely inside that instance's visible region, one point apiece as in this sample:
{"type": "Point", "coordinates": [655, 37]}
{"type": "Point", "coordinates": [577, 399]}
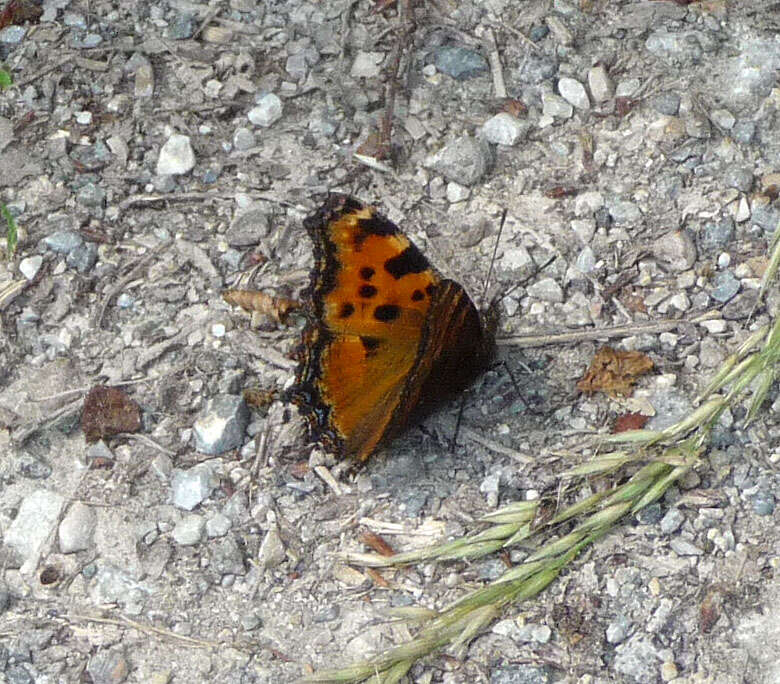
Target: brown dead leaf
{"type": "Point", "coordinates": [514, 107]}
{"type": "Point", "coordinates": [298, 470]}
{"type": "Point", "coordinates": [108, 411]}
{"type": "Point", "coordinates": [19, 11]}
{"type": "Point", "coordinates": [379, 580]}
{"type": "Point", "coordinates": [560, 191]}
{"type": "Point", "coordinates": [377, 543]}
{"type": "Point", "coordinates": [277, 308]}
{"type": "Point", "coordinates": [630, 421]}
{"type": "Point", "coordinates": [372, 146]}
{"type": "Point", "coordinates": [634, 302]}
{"type": "Point", "coordinates": [614, 372]}
{"type": "Point", "coordinates": [259, 397]}
{"type": "Point", "coordinates": [711, 608]}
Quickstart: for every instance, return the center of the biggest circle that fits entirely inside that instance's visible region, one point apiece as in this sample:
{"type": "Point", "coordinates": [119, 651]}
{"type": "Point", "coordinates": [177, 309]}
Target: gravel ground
{"type": "Point", "coordinates": [151, 152]}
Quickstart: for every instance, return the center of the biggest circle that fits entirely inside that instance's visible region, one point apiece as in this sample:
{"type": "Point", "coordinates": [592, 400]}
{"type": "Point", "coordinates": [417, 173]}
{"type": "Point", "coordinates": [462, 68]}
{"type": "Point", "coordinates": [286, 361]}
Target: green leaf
{"type": "Point", "coordinates": [12, 233]}
{"type": "Point", "coordinates": [5, 79]}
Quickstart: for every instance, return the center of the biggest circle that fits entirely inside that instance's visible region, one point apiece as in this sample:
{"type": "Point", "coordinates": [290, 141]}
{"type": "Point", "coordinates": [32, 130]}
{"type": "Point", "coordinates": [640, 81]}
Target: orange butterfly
{"type": "Point", "coordinates": [387, 336]}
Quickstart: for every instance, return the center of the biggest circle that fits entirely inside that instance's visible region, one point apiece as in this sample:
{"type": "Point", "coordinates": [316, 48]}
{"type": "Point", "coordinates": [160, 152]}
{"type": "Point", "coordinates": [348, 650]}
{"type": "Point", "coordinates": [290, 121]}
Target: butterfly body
{"type": "Point", "coordinates": [387, 337]}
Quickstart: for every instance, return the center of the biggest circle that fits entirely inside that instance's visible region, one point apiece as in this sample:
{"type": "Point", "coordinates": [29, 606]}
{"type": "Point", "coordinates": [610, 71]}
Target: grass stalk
{"type": "Point", "coordinates": [666, 456]}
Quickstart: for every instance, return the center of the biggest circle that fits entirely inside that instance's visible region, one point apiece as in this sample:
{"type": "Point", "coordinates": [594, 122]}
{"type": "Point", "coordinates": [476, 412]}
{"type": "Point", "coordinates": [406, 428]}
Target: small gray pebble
{"type": "Point", "coordinates": [12, 35]}
{"type": "Point", "coordinates": [682, 547]}
{"type": "Point", "coordinates": [651, 514]}
{"type": "Point", "coordinates": [62, 241]}
{"type": "Point", "coordinates": [743, 131]}
{"type": "Point", "coordinates": [763, 502]}
{"type": "Point", "coordinates": [251, 621]}
{"type": "Point", "coordinates": [164, 184]}
{"type": "Point", "coordinates": [666, 103]}
{"type": "Point", "coordinates": [715, 236]}
{"type": "Point", "coordinates": [459, 62]}
{"type": "Point", "coordinates": [182, 27]}
{"type": "Point", "coordinates": [83, 257]}
{"type": "Point", "coordinates": [491, 569]}
{"type": "Point", "coordinates": [671, 522]}
{"type": "Point", "coordinates": [739, 178]}
{"type": "Point", "coordinates": [521, 674]}
{"type": "Point", "coordinates": [331, 612]}
{"type": "Point", "coordinates": [19, 674]}
{"type": "Point", "coordinates": [766, 217]}
{"type": "Point", "coordinates": [617, 630]}
{"type": "Point", "coordinates": [189, 530]}
{"type": "Point", "coordinates": [726, 286]}
{"type": "Point", "coordinates": [243, 139]}
{"type": "Point", "coordinates": [33, 468]}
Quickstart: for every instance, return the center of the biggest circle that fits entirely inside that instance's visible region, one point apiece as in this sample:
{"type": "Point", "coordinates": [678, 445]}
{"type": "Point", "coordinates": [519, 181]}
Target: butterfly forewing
{"type": "Point", "coordinates": [386, 334]}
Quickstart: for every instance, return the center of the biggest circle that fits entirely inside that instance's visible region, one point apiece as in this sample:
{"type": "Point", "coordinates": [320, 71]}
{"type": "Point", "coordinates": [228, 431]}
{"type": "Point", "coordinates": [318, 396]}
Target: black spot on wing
{"type": "Point", "coordinates": [366, 273]}
{"type": "Point", "coordinates": [411, 260]}
{"type": "Point", "coordinates": [346, 310]}
{"type": "Point", "coordinates": [370, 344]}
{"type": "Point", "coordinates": [377, 225]}
{"type": "Point", "coordinates": [367, 291]}
{"type": "Point", "coordinates": [417, 296]}
{"type": "Point", "coordinates": [387, 312]}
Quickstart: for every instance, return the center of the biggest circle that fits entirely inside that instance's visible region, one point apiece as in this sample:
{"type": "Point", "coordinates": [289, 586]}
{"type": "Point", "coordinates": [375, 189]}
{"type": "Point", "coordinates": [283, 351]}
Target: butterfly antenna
{"type": "Point", "coordinates": [454, 442]}
{"type": "Point", "coordinates": [522, 282]}
{"type": "Point", "coordinates": [493, 259]}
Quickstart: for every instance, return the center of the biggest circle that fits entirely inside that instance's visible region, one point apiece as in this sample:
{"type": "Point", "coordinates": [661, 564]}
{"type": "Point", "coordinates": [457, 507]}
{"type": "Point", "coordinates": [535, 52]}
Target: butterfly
{"type": "Point", "coordinates": [387, 337]}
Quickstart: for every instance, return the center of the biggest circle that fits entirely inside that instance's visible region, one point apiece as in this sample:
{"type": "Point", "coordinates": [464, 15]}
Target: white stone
{"type": "Point", "coordinates": [267, 111]}
{"type": "Point", "coordinates": [680, 301]}
{"type": "Point", "coordinates": [584, 228]}
{"type": "Point", "coordinates": [77, 528]}
{"type": "Point", "coordinates": [573, 92]}
{"type": "Point", "coordinates": [367, 64]}
{"type": "Point", "coordinates": [714, 327]}
{"type": "Point", "coordinates": [601, 86]}
{"type": "Point", "coordinates": [30, 266]}
{"type": "Point", "coordinates": [84, 118]}
{"type": "Point", "coordinates": [189, 530]}
{"type": "Point", "coordinates": [176, 156]}
{"type": "Point", "coordinates": [457, 193]}
{"type": "Point", "coordinates": [587, 203]}
{"type": "Point", "coordinates": [36, 519]}
{"type": "Point", "coordinates": [504, 129]}
{"type": "Point", "coordinates": [547, 289]}
{"type": "Point", "coordinates": [555, 106]}
{"type": "Point", "coordinates": [743, 211]}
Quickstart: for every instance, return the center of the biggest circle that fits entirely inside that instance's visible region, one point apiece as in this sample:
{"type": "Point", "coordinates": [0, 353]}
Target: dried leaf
{"type": "Point", "coordinates": [19, 11]}
{"type": "Point", "coordinates": [560, 191]}
{"type": "Point", "coordinates": [375, 575]}
{"type": "Point", "coordinates": [514, 107]}
{"type": "Point", "coordinates": [260, 398]}
{"type": "Point", "coordinates": [614, 372]}
{"type": "Point", "coordinates": [108, 411]}
{"type": "Point", "coordinates": [634, 303]}
{"type": "Point", "coordinates": [372, 146]}
{"type": "Point", "coordinates": [277, 308]}
{"type": "Point", "coordinates": [711, 608]}
{"type": "Point", "coordinates": [623, 105]}
{"type": "Point", "coordinates": [630, 421]}
{"type": "Point", "coordinates": [298, 470]}
{"type": "Point", "coordinates": [377, 543]}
